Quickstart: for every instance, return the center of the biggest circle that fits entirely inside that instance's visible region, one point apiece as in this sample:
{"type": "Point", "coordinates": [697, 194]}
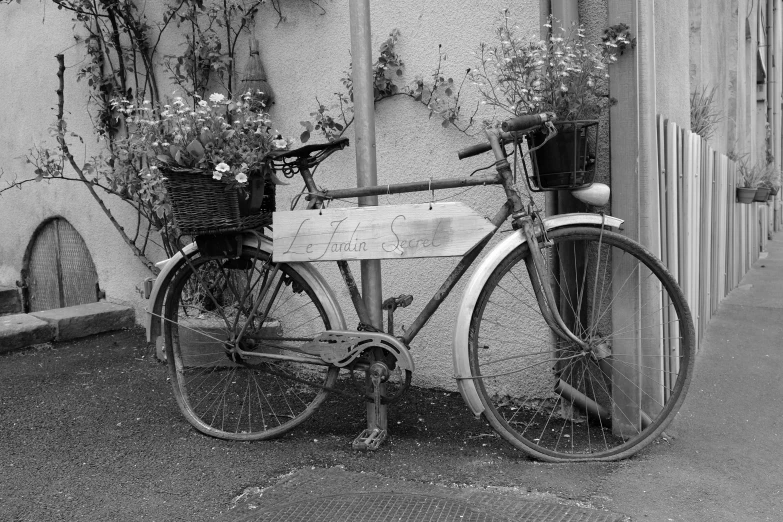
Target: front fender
{"type": "Point", "coordinates": [477, 281]}
{"type": "Point", "coordinates": [154, 319]}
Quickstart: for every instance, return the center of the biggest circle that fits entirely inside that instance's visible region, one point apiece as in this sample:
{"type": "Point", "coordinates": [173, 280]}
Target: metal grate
{"type": "Point", "coordinates": [61, 271]}
{"type": "Point", "coordinates": [377, 507]}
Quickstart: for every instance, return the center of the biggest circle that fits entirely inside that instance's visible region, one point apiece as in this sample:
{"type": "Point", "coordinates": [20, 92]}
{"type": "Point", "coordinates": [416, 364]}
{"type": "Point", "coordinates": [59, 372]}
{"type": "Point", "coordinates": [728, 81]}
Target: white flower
{"type": "Point", "coordinates": [216, 97]}
{"type": "Point", "coordinates": [217, 175]}
{"type": "Point", "coordinates": [241, 177]}
{"type": "Point", "coordinates": [222, 167]}
{"type": "Point", "coordinates": [203, 103]}
{"type": "Point", "coordinates": [563, 87]}
{"type": "Point", "coordinates": [279, 144]}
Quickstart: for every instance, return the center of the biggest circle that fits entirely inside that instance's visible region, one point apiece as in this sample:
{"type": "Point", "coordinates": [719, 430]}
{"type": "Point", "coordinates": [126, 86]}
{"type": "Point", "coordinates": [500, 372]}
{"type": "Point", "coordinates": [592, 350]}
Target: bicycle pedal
{"type": "Point", "coordinates": [369, 440]}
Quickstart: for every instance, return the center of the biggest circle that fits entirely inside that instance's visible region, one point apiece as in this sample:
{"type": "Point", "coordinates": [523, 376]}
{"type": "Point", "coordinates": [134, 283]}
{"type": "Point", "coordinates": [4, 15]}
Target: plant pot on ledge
{"type": "Point", "coordinates": [746, 194]}
{"type": "Point", "coordinates": [762, 194]}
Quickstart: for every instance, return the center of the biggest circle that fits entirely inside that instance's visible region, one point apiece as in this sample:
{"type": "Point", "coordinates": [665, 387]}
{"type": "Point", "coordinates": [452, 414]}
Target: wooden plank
{"type": "Point", "coordinates": [722, 228]}
{"type": "Point", "coordinates": [674, 240]}
{"type": "Point", "coordinates": [715, 207]}
{"type": "Point", "coordinates": [706, 241]}
{"type": "Point", "coordinates": [696, 226]}
{"type": "Point", "coordinates": [686, 221]}
{"type": "Point", "coordinates": [732, 221]}
{"type": "Point", "coordinates": [386, 232]}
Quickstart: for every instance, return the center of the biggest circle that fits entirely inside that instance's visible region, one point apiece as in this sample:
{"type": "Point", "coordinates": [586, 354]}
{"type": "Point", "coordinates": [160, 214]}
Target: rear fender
{"type": "Point", "coordinates": [154, 319]}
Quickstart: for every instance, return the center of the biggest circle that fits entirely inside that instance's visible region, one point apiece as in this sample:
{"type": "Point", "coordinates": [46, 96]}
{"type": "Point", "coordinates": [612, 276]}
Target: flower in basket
{"type": "Point", "coordinates": [220, 138]}
{"type": "Point", "coordinates": [565, 75]}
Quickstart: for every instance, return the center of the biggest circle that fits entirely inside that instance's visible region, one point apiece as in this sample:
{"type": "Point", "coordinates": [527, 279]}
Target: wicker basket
{"type": "Point", "coordinates": [562, 162]}
{"type": "Point", "coordinates": [203, 205]}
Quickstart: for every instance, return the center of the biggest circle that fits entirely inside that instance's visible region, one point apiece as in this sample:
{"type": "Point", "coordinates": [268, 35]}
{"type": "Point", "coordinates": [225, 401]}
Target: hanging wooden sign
{"type": "Point", "coordinates": [384, 232]}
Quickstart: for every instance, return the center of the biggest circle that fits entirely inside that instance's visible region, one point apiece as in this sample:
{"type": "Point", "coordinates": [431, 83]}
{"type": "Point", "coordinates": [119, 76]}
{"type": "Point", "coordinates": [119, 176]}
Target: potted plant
{"type": "Point", "coordinates": [565, 76]}
{"type": "Point", "coordinates": [771, 179]}
{"type": "Point", "coordinates": [210, 156]}
{"type": "Point", "coordinates": [748, 182]}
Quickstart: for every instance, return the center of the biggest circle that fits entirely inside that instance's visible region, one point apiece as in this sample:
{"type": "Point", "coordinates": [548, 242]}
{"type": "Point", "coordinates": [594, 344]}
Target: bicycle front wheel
{"type": "Point", "coordinates": [606, 396]}
{"type": "Point", "coordinates": [214, 305]}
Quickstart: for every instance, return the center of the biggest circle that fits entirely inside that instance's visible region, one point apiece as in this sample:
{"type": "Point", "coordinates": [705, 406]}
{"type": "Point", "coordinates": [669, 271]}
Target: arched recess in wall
{"type": "Point", "coordinates": [58, 269]}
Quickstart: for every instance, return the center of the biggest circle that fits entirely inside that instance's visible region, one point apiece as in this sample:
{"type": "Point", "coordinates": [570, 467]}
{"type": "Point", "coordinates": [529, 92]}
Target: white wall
{"type": "Point", "coordinates": [305, 57]}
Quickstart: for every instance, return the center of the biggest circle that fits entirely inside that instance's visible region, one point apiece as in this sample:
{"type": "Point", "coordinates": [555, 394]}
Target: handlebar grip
{"type": "Point", "coordinates": [473, 150]}
{"type": "Point", "coordinates": [526, 121]}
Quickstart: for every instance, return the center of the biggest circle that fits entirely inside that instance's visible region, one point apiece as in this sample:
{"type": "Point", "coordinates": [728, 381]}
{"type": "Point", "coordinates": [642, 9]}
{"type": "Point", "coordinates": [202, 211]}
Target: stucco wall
{"type": "Point", "coordinates": [723, 54]}
{"type": "Point", "coordinates": [32, 33]}
{"type": "Point", "coordinates": [671, 61]}
{"type": "Point", "coordinates": [305, 57]}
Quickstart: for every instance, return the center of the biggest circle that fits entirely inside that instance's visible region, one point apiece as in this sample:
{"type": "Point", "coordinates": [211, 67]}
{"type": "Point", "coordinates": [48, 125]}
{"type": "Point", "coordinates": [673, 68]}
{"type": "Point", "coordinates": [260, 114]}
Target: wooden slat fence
{"type": "Point", "coordinates": [708, 240]}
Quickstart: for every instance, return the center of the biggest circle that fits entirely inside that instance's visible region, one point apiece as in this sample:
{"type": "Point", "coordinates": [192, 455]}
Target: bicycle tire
{"type": "Point", "coordinates": [523, 375]}
{"type": "Point", "coordinates": [208, 303]}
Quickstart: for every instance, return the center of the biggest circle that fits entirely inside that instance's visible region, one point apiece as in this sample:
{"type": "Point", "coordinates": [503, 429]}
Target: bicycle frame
{"type": "Point", "coordinates": [513, 207]}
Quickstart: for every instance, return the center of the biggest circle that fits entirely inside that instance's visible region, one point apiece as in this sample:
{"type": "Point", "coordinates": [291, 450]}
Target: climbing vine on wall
{"type": "Point", "coordinates": [122, 61]}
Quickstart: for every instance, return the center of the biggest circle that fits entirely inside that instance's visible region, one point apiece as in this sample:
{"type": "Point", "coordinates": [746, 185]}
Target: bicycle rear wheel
{"type": "Point", "coordinates": [606, 398]}
{"type": "Point", "coordinates": [214, 304]}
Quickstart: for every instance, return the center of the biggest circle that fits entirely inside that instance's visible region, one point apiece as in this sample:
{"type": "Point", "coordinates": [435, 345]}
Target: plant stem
{"type": "Point", "coordinates": [67, 153]}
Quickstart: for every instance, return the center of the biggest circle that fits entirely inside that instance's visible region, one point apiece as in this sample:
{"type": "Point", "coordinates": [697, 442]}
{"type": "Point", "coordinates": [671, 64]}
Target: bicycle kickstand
{"type": "Point", "coordinates": [371, 438]}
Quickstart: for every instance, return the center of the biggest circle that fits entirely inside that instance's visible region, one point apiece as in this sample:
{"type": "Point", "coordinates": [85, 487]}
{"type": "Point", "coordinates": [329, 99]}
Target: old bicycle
{"type": "Point", "coordinates": [573, 341]}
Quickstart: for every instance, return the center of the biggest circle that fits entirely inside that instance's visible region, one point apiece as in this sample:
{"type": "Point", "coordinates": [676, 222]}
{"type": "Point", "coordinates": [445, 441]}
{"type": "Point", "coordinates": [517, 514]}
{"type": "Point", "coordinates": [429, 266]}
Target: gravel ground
{"type": "Point", "coordinates": [92, 432]}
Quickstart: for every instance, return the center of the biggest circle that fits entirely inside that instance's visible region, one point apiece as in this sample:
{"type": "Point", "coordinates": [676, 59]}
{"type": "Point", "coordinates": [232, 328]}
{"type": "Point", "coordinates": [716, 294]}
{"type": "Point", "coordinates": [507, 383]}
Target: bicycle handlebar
{"type": "Point", "coordinates": [513, 128]}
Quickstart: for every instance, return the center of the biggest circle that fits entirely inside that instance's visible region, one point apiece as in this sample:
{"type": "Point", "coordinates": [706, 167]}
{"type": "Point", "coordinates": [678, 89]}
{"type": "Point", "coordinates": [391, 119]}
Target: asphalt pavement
{"type": "Point", "coordinates": [91, 432]}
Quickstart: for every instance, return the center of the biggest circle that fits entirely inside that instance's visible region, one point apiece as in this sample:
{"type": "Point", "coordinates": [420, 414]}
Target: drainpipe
{"type": "Point", "coordinates": [772, 102]}
{"type": "Point", "coordinates": [567, 12]}
{"type": "Point", "coordinates": [648, 141]}
{"type": "Point", "coordinates": [776, 103]}
{"type": "Point", "coordinates": [550, 198]}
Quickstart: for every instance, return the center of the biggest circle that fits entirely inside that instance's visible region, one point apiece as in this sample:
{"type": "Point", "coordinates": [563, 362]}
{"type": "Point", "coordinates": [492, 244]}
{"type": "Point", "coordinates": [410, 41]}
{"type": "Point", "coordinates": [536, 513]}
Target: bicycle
{"type": "Point", "coordinates": [573, 341]}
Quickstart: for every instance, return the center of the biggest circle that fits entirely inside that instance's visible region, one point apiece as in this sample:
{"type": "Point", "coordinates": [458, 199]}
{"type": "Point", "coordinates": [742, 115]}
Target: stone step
{"type": "Point", "coordinates": [77, 321]}
{"type": "Point", "coordinates": [20, 330]}
{"type": "Point", "coordinates": [62, 324]}
{"type": "Point", "coordinates": [10, 303]}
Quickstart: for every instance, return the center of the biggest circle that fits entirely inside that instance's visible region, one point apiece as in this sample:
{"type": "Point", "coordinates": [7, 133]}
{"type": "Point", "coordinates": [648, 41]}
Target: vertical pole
{"type": "Point", "coordinates": [777, 100]}
{"type": "Point", "coordinates": [550, 198]}
{"type": "Point", "coordinates": [366, 166]}
{"type": "Point", "coordinates": [566, 12]}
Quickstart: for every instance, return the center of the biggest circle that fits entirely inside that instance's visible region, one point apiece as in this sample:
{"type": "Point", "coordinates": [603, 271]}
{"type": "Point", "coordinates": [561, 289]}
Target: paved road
{"type": "Point", "coordinates": [91, 432]}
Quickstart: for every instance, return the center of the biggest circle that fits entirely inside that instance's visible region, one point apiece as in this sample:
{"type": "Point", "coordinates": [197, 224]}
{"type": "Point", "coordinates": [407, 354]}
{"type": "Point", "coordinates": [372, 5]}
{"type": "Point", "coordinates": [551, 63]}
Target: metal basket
{"type": "Point", "coordinates": [563, 162]}
{"type": "Point", "coordinates": [203, 205]}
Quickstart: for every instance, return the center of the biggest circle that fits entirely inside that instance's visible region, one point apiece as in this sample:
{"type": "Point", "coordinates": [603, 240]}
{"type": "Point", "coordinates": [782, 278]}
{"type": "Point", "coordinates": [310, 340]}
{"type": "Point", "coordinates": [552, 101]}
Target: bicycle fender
{"type": "Point", "coordinates": [465, 384]}
{"type": "Point", "coordinates": [154, 309]}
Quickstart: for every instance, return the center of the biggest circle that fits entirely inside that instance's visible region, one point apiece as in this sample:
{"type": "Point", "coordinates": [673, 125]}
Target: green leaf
{"type": "Point", "coordinates": [206, 136]}
{"type": "Point", "coordinates": [445, 124]}
{"type": "Point", "coordinates": [174, 150]}
{"type": "Point", "coordinates": [449, 92]}
{"type": "Point", "coordinates": [304, 137]}
{"type": "Point", "coordinates": [196, 149]}
{"type": "Point", "coordinates": [165, 158]}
